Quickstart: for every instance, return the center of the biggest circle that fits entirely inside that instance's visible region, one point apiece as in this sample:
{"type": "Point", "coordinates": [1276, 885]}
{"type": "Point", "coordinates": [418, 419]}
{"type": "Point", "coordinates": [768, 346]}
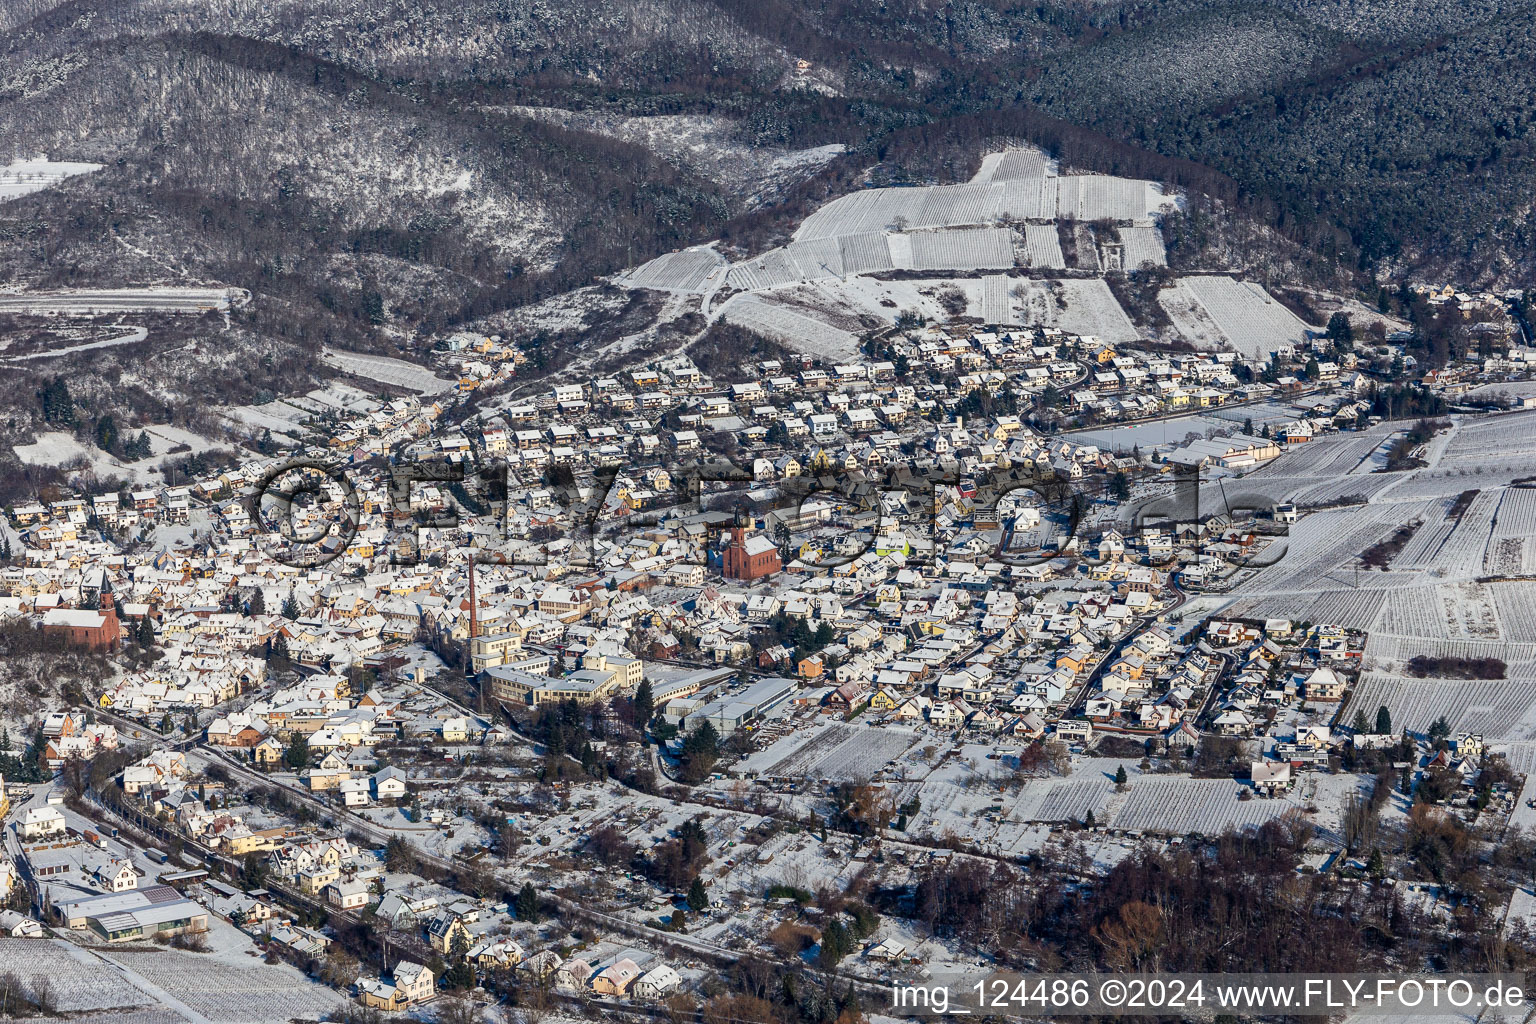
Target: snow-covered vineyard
{"type": "Point", "coordinates": [1016, 215]}
{"type": "Point", "coordinates": [1463, 586]}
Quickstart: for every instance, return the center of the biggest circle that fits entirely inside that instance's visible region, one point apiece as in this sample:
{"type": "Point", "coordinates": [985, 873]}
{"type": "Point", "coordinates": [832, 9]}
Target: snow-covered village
{"type": "Point", "coordinates": [757, 516]}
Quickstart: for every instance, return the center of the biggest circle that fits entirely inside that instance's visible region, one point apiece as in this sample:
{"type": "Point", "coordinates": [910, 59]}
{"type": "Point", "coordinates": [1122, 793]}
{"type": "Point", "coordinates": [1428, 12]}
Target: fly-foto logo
{"type": "Point", "coordinates": [308, 513]}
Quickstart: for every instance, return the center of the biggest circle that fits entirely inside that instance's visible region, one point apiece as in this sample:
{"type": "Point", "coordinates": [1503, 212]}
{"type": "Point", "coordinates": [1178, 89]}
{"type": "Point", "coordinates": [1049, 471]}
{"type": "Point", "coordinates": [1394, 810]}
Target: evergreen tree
{"type": "Point", "coordinates": [290, 607]}
{"type": "Point", "coordinates": [1360, 725]}
{"type": "Point", "coordinates": [106, 434]}
{"type": "Point", "coordinates": [1383, 721]}
{"type": "Point", "coordinates": [698, 897]}
{"type": "Point", "coordinates": [645, 703]}
{"type": "Point", "coordinates": [296, 757]}
{"type": "Point", "coordinates": [836, 943]}
{"type": "Point", "coordinates": [277, 654]}
{"type": "Point", "coordinates": [527, 905]}
{"type": "Point", "coordinates": [146, 632]}
{"type": "Point", "coordinates": [58, 405]}
{"type": "Point", "coordinates": [1120, 777]}
{"type": "Point", "coordinates": [1340, 331]}
{"type": "Point", "coordinates": [258, 603]}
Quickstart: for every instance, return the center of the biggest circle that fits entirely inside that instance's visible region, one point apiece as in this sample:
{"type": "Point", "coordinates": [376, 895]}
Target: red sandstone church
{"type": "Point", "coordinates": [749, 557]}
{"type": "Point", "coordinates": [93, 628]}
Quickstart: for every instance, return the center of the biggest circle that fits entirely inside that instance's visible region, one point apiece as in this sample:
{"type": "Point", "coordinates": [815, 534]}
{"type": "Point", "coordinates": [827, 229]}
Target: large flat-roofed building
{"type": "Point", "coordinates": [135, 914]}
{"type": "Point", "coordinates": [584, 687]}
{"type": "Point", "coordinates": [733, 711]}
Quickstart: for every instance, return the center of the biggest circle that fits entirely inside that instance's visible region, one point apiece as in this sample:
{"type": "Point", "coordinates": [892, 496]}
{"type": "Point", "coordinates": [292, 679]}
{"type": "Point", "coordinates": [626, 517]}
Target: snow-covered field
{"type": "Point", "coordinates": [1251, 321]}
{"type": "Point", "coordinates": [79, 980]}
{"type": "Point", "coordinates": [798, 330]}
{"type": "Point", "coordinates": [228, 985]}
{"type": "Point", "coordinates": [1079, 305]}
{"type": "Point", "coordinates": [837, 752]}
{"type": "Point", "coordinates": [690, 270]}
{"type": "Point", "coordinates": [396, 372]}
{"type": "Point", "coordinates": [21, 177]}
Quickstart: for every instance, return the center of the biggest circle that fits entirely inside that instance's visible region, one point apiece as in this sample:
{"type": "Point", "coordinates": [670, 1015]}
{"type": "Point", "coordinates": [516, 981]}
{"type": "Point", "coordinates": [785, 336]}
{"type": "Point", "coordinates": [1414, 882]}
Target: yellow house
{"type": "Point", "coordinates": [317, 878]}
{"type": "Point", "coordinates": [444, 931]}
{"type": "Point", "coordinates": [884, 700]}
{"type": "Point", "coordinates": [1074, 660]}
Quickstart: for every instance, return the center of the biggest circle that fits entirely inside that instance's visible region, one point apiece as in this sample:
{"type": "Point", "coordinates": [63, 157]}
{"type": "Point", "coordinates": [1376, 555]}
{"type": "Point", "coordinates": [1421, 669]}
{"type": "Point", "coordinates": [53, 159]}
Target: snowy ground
{"type": "Point", "coordinates": [396, 372]}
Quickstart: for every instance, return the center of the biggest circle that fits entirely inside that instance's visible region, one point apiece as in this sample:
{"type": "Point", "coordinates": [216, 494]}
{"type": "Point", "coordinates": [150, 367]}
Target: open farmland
{"type": "Point", "coordinates": [974, 249]}
{"type": "Point", "coordinates": [1497, 709]}
{"type": "Point", "coordinates": [797, 330]}
{"type": "Point", "coordinates": [396, 372]}
{"type": "Point", "coordinates": [1015, 164]}
{"type": "Point", "coordinates": [691, 270]}
{"type": "Point", "coordinates": [1179, 806]}
{"type": "Point", "coordinates": [1042, 247]}
{"type": "Point", "coordinates": [1096, 196]}
{"type": "Point", "coordinates": [21, 177]}
{"type": "Point", "coordinates": [1143, 245]}
{"type": "Point", "coordinates": [80, 981]}
{"type": "Point", "coordinates": [1251, 321]}
{"type": "Point", "coordinates": [843, 753]}
{"type": "Point", "coordinates": [223, 990]}
{"type": "Point", "coordinates": [1079, 305]}
{"type": "Point", "coordinates": [996, 303]}
{"type": "Point", "coordinates": [1063, 800]}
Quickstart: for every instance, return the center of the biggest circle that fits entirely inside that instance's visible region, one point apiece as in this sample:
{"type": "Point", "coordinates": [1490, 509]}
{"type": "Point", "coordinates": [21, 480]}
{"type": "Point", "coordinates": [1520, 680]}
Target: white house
{"type": "Point", "coordinates": [657, 983]}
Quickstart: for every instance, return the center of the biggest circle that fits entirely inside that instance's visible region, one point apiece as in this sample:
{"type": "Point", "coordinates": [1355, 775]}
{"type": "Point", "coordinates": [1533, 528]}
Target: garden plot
{"type": "Point", "coordinates": [797, 330]}
{"type": "Point", "coordinates": [1143, 245]}
{"type": "Point", "coordinates": [842, 753]}
{"type": "Point", "coordinates": [864, 254]}
{"type": "Point", "coordinates": [1014, 164]}
{"type": "Point", "coordinates": [1079, 306]}
{"type": "Point", "coordinates": [1096, 196]}
{"type": "Point", "coordinates": [996, 306]}
{"type": "Point", "coordinates": [973, 249]}
{"type": "Point", "coordinates": [80, 981]}
{"type": "Point", "coordinates": [396, 372]}
{"type": "Point", "coordinates": [1180, 806]}
{"type": "Point", "coordinates": [688, 271]}
{"type": "Point", "coordinates": [1028, 199]}
{"type": "Point", "coordinates": [1497, 709]}
{"type": "Point", "coordinates": [228, 986]}
{"type": "Point", "coordinates": [1042, 247]}
{"type": "Point", "coordinates": [1063, 800]}
{"type": "Point", "coordinates": [1247, 316]}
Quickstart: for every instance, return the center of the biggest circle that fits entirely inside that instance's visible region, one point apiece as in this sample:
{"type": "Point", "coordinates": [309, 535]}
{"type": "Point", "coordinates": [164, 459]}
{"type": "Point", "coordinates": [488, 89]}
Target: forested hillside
{"type": "Point", "coordinates": [375, 171]}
